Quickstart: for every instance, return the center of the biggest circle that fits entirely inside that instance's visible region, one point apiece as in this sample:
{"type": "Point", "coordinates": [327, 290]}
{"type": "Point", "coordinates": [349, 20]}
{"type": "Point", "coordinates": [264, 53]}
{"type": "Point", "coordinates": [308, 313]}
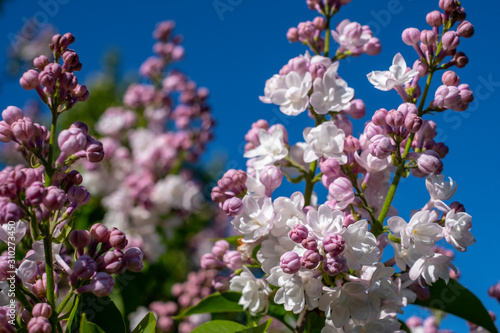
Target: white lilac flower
{"type": "Point", "coordinates": [256, 219]}
{"type": "Point", "coordinates": [372, 163]}
{"type": "Point", "coordinates": [39, 255]}
{"type": "Point", "coordinates": [174, 192]}
{"type": "Point", "coordinates": [395, 76]}
{"type": "Point", "coordinates": [324, 221]}
{"type": "Point", "coordinates": [297, 291]}
{"type": "Point", "coordinates": [420, 229]}
{"type": "Point", "coordinates": [457, 230]}
{"type": "Point", "coordinates": [272, 249]}
{"type": "Point", "coordinates": [432, 268]}
{"type": "Point", "coordinates": [272, 148]}
{"type": "Point", "coordinates": [288, 212]}
{"type": "Point", "coordinates": [254, 292]}
{"type": "Point", "coordinates": [405, 257]}
{"type": "Point", "coordinates": [272, 84]}
{"type": "Point", "coordinates": [292, 94]}
{"type": "Point", "coordinates": [325, 140]}
{"type": "Point", "coordinates": [360, 245]}
{"type": "Point", "coordinates": [343, 35]}
{"type": "Point", "coordinates": [349, 300]}
{"type": "Point", "coordinates": [16, 231]}
{"type": "Point", "coordinates": [331, 93]}
{"type": "Point", "coordinates": [439, 188]}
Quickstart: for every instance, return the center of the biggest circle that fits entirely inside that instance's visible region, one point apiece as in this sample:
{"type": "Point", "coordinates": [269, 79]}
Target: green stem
{"type": "Point", "coordinates": [65, 301]}
{"type": "Point", "coordinates": [49, 169]}
{"type": "Point", "coordinates": [302, 321]}
{"type": "Point", "coordinates": [49, 270]}
{"type": "Point", "coordinates": [327, 36]}
{"type": "Point", "coordinates": [401, 166]}
{"type": "Point", "coordinates": [310, 183]}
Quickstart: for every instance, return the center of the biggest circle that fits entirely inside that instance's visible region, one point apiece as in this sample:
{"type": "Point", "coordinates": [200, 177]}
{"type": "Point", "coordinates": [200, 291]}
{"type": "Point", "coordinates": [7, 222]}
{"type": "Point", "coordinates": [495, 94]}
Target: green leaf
{"type": "Point", "coordinates": [147, 324]}
{"type": "Point", "coordinates": [102, 312]}
{"type": "Point", "coordinates": [73, 317]}
{"type": "Point", "coordinates": [455, 299]}
{"type": "Point", "coordinates": [233, 240]}
{"type": "Point", "coordinates": [258, 329]}
{"type": "Point", "coordinates": [88, 327]}
{"type": "Point", "coordinates": [215, 303]}
{"type": "Point", "coordinates": [219, 326]}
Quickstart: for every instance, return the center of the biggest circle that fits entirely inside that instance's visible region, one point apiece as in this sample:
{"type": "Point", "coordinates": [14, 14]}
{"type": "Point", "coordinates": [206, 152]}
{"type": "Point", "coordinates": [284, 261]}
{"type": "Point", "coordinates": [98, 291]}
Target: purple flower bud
{"type": "Point", "coordinates": [411, 36]}
{"type": "Point", "coordinates": [413, 123]}
{"type": "Point", "coordinates": [39, 325]}
{"type": "Point", "coordinates": [379, 116]}
{"type": "Point", "coordinates": [25, 317]}
{"type": "Point", "coordinates": [341, 191]}
{"type": "Point", "coordinates": [221, 283]}
{"type": "Point", "coordinates": [447, 97]}
{"type": "Point", "coordinates": [40, 62]}
{"type": "Point", "coordinates": [334, 244]}
{"type": "Point", "coordinates": [298, 233]}
{"type": "Point", "coordinates": [232, 206]}
{"type": "Point", "coordinates": [381, 146]}
{"type": "Point", "coordinates": [466, 93]}
{"type": "Point", "coordinates": [395, 118]}
{"type": "Point", "coordinates": [271, 177]}
{"type": "Point", "coordinates": [356, 109]}
{"type": "Point", "coordinates": [319, 22]}
{"type": "Point", "coordinates": [42, 310]}
{"type": "Point", "coordinates": [78, 195]}
{"type": "Point", "coordinates": [460, 59]}
{"type": "Point", "coordinates": [330, 168]}
{"type": "Point", "coordinates": [233, 259]}
{"type": "Point", "coordinates": [5, 132]}
{"type": "Point", "coordinates": [448, 5]}
{"type": "Point", "coordinates": [465, 29]}
{"type": "Point", "coordinates": [494, 291]}
{"type": "Point", "coordinates": [23, 129]}
{"type": "Point", "coordinates": [29, 80]}
{"type": "Point", "coordinates": [372, 130]}
{"type": "Point", "coordinates": [101, 285]}
{"type": "Point", "coordinates": [429, 162]}
{"type": "Point", "coordinates": [434, 18]}
{"type": "Point", "coordinates": [72, 140]}
{"type": "Point", "coordinates": [209, 261]}
{"type": "Point", "coordinates": [310, 259]}
{"type": "Point", "coordinates": [94, 150]}
{"type": "Point", "coordinates": [290, 262]}
{"type": "Point", "coordinates": [9, 211]}
{"type": "Point", "coordinates": [133, 256]}
{"type": "Point", "coordinates": [310, 244]}
{"type": "Point", "coordinates": [351, 144]}
{"type": "Point", "coordinates": [373, 47]}
{"type": "Point", "coordinates": [428, 37]}
{"type": "Point", "coordinates": [35, 193]}
{"type": "Point", "coordinates": [220, 248]}
{"type": "Point", "coordinates": [292, 35]}
{"type": "Point", "coordinates": [100, 233]}
{"type": "Point", "coordinates": [73, 178]}
{"type": "Point", "coordinates": [70, 58]}
{"type": "Point", "coordinates": [112, 262]}
{"type": "Point", "coordinates": [79, 238]}
{"type": "Point", "coordinates": [334, 265]}
{"type": "Point", "coordinates": [117, 239]}
{"type": "Point", "coordinates": [441, 149]}
{"type": "Point", "coordinates": [450, 78]}
{"type": "Point", "coordinates": [458, 207]}
{"type": "Point", "coordinates": [450, 40]}
{"type": "Point", "coordinates": [55, 198]}
{"type": "Point", "coordinates": [84, 268]}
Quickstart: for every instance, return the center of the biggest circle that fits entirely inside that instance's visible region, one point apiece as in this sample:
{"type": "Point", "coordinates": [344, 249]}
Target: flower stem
{"type": "Point", "coordinates": [65, 301]}
{"type": "Point", "coordinates": [401, 166]}
{"type": "Point", "coordinates": [302, 321]}
{"type": "Point", "coordinates": [49, 169]}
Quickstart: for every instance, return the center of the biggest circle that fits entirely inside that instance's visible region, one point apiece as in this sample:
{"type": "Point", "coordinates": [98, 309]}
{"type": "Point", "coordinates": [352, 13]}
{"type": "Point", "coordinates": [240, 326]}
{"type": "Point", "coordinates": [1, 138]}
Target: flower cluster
{"type": "Point", "coordinates": [161, 126]}
{"type": "Point", "coordinates": [328, 255]}
{"type": "Point", "coordinates": [39, 201]}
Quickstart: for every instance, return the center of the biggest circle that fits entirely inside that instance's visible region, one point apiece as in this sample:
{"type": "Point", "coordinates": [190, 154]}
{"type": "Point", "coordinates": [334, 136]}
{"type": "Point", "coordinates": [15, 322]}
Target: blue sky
{"type": "Point", "coordinates": [233, 50]}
